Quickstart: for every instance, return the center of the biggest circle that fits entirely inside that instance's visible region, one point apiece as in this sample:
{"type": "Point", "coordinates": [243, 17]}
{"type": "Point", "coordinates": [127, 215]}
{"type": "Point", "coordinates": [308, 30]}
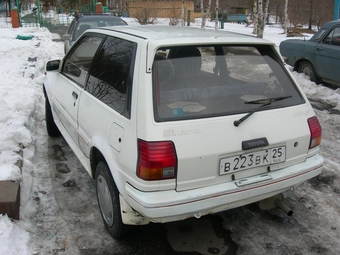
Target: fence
{"type": "Point", "coordinates": [34, 15]}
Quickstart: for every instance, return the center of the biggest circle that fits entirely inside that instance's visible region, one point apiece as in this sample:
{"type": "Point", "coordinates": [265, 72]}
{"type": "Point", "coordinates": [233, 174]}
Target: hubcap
{"type": "Point", "coordinates": [105, 200]}
{"type": "Point", "coordinates": [307, 70]}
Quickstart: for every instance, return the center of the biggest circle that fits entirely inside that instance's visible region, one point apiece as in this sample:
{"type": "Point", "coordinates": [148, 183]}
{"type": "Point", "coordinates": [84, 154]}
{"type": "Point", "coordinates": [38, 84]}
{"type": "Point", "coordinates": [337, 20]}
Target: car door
{"type": "Point", "coordinates": [327, 55]}
{"type": "Point", "coordinates": [70, 83]}
{"type": "Point", "coordinates": [105, 104]}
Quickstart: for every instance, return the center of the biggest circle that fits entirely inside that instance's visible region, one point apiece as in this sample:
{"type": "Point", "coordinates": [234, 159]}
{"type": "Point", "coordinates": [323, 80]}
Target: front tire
{"type": "Point", "coordinates": [52, 129]}
{"type": "Point", "coordinates": [307, 68]}
{"type": "Point", "coordinates": [108, 200]}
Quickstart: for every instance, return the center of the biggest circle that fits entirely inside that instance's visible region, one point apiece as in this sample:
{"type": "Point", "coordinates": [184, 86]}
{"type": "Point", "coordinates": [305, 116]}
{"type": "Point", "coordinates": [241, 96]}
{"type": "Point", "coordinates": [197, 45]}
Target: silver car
{"type": "Point", "coordinates": [82, 22]}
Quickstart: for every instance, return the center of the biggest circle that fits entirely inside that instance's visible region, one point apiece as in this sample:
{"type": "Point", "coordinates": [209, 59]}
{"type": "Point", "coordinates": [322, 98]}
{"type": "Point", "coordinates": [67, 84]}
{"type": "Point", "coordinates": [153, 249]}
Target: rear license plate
{"type": "Point", "coordinates": [251, 160]}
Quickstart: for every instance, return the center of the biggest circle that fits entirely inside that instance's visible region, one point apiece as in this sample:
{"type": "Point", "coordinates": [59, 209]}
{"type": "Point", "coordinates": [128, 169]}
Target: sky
{"type": "Point", "coordinates": [22, 64]}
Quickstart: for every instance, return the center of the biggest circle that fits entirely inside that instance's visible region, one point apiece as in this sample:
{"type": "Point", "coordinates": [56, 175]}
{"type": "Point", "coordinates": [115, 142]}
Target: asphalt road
{"type": "Point", "coordinates": [68, 219]}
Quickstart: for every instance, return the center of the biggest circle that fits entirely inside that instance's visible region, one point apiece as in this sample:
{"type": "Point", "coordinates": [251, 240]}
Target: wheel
{"type": "Point", "coordinates": [307, 68]}
{"type": "Point", "coordinates": [52, 129]}
{"type": "Point", "coordinates": [108, 200]}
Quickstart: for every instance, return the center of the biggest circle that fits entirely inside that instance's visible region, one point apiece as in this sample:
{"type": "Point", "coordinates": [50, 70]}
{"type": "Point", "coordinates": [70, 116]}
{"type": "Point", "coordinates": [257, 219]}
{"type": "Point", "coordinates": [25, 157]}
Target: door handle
{"type": "Point", "coordinates": [75, 95]}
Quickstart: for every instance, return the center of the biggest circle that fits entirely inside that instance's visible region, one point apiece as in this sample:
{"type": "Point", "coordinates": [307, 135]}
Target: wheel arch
{"type": "Point", "coordinates": [298, 63]}
{"type": "Point", "coordinates": [315, 79]}
{"type": "Point", "coordinates": [95, 157]}
{"type": "Point", "coordinates": [98, 154]}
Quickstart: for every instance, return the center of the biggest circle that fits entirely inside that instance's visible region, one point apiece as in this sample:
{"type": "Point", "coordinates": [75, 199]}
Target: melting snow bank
{"type": "Point", "coordinates": [14, 240]}
{"type": "Point", "coordinates": [22, 66]}
{"type": "Point", "coordinates": [320, 94]}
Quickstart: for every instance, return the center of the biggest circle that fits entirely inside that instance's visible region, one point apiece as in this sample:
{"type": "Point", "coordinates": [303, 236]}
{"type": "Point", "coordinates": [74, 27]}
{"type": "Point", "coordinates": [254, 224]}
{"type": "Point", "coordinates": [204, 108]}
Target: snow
{"type": "Point", "coordinates": [21, 103]}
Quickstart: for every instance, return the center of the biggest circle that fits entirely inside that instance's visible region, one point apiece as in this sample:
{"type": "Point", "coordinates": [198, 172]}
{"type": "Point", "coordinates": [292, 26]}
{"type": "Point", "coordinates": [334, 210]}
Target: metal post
{"type": "Point", "coordinates": [39, 13]}
{"type": "Point", "coordinates": [19, 11]}
{"type": "Point", "coordinates": [188, 21]}
{"type": "Point", "coordinates": [93, 5]}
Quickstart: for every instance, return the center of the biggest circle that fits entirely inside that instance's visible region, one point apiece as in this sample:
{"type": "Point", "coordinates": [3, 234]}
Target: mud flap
{"type": "Point", "coordinates": [129, 216]}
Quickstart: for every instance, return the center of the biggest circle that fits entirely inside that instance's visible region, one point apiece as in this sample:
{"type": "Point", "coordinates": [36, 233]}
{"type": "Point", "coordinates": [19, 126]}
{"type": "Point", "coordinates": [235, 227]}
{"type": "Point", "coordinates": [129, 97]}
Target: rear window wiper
{"type": "Point", "coordinates": [264, 102]}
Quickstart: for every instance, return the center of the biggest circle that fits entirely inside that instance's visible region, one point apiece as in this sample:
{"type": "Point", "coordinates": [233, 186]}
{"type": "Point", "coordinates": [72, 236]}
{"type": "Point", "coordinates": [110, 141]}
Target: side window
{"type": "Point", "coordinates": [328, 38]}
{"type": "Point", "coordinates": [336, 37]}
{"type": "Point", "coordinates": [78, 62]}
{"type": "Point", "coordinates": [333, 38]}
{"type": "Point", "coordinates": [109, 77]}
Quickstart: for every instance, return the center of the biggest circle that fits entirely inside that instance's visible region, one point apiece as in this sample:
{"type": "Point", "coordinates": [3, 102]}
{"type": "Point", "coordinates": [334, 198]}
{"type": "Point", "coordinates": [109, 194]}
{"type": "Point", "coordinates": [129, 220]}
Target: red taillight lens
{"type": "Point", "coordinates": [156, 160]}
{"type": "Point", "coordinates": [315, 132]}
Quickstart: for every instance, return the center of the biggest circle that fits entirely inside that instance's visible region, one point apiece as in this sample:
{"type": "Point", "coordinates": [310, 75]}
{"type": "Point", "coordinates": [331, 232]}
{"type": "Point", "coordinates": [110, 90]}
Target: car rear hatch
{"type": "Point", "coordinates": [231, 112]}
{"type": "Point", "coordinates": [216, 151]}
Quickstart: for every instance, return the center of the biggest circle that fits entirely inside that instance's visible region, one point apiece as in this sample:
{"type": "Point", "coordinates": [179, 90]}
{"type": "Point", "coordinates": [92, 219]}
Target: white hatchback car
{"type": "Point", "coordinates": [179, 122]}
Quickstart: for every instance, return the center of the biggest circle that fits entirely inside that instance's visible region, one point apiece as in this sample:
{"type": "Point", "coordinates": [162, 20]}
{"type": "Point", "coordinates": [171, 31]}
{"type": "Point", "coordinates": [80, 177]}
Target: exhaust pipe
{"type": "Point", "coordinates": [275, 202]}
{"type": "Point", "coordinates": [283, 207]}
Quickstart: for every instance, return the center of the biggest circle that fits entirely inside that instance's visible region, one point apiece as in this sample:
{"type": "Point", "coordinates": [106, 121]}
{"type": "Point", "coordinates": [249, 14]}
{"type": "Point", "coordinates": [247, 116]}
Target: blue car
{"type": "Point", "coordinates": [319, 57]}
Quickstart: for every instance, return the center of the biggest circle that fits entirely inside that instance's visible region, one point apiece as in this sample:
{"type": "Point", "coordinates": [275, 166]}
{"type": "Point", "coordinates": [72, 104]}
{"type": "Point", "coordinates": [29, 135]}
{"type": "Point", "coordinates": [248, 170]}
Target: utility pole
{"type": "Point", "coordinates": [336, 9]}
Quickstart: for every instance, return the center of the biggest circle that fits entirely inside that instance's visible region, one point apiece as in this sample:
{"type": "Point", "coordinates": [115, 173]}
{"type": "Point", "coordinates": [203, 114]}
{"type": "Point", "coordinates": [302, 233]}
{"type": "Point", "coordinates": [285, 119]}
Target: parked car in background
{"type": "Point", "coordinates": [82, 22]}
{"type": "Point", "coordinates": [179, 122]}
{"type": "Point", "coordinates": [318, 57]}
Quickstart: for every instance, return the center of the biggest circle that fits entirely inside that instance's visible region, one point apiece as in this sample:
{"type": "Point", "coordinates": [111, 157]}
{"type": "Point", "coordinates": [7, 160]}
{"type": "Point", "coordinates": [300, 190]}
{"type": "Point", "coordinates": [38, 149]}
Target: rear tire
{"type": "Point", "coordinates": [108, 201]}
{"type": "Point", "coordinates": [307, 68]}
{"type": "Point", "coordinates": [52, 129]}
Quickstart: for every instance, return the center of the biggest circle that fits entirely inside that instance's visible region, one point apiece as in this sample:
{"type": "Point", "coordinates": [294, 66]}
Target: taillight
{"type": "Point", "coordinates": [315, 132]}
{"type": "Point", "coordinates": [156, 160]}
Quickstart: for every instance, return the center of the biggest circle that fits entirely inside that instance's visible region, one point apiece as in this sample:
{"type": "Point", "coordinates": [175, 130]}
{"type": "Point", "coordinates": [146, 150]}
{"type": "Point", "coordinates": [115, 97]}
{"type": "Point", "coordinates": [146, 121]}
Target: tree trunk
{"type": "Point", "coordinates": [202, 15]}
{"type": "Point", "coordinates": [216, 14]}
{"type": "Point", "coordinates": [285, 20]}
{"type": "Point", "coordinates": [266, 17]}
{"type": "Point", "coordinates": [255, 15]}
{"type": "Point", "coordinates": [260, 19]}
{"type": "Point", "coordinates": [207, 13]}
{"type": "Point", "coordinates": [183, 13]}
{"type": "Point", "coordinates": [310, 15]}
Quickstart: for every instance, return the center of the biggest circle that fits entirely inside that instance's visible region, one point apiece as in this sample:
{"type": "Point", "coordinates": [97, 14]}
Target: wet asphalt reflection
{"type": "Point", "coordinates": [188, 237]}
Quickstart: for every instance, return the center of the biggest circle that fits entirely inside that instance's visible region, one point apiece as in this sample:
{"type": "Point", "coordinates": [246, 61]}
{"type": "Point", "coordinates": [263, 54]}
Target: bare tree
{"type": "Point", "coordinates": [216, 14]}
{"type": "Point", "coordinates": [301, 12]}
{"type": "Point", "coordinates": [202, 14]}
{"type": "Point", "coordinates": [205, 13]}
{"type": "Point", "coordinates": [262, 11]}
{"type": "Point", "coordinates": [260, 19]}
{"type": "Point", "coordinates": [266, 6]}
{"type": "Point", "coordinates": [285, 19]}
{"type": "Point", "coordinates": [255, 17]}
{"type": "Point", "coordinates": [145, 16]}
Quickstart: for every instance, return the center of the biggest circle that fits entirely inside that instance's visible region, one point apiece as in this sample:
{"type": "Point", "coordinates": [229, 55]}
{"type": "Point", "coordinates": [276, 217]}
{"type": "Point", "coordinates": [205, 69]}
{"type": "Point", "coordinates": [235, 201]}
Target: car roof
{"type": "Point", "coordinates": [95, 17]}
{"type": "Point", "coordinates": [331, 23]}
{"type": "Point", "coordinates": [162, 32]}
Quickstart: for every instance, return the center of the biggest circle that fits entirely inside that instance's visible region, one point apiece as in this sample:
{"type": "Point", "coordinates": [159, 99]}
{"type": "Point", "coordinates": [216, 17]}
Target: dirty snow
{"type": "Point", "coordinates": [21, 103]}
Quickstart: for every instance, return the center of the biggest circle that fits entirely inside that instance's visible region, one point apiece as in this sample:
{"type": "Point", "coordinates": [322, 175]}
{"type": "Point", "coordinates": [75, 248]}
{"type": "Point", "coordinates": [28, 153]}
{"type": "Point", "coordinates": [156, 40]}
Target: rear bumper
{"type": "Point", "coordinates": [166, 206]}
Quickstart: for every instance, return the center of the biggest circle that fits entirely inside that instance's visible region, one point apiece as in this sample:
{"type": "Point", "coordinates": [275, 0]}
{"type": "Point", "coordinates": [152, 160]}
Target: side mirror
{"type": "Point", "coordinates": [52, 65]}
{"type": "Point", "coordinates": [65, 37]}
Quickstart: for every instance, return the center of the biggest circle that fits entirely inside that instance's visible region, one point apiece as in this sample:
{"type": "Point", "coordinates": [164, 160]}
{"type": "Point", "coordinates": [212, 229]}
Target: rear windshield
{"type": "Point", "coordinates": [197, 82]}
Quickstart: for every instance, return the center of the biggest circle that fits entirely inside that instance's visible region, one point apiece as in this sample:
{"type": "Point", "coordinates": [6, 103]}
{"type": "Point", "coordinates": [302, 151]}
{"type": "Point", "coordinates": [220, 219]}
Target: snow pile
{"type": "Point", "coordinates": [13, 238]}
{"type": "Point", "coordinates": [21, 67]}
{"type": "Point", "coordinates": [22, 64]}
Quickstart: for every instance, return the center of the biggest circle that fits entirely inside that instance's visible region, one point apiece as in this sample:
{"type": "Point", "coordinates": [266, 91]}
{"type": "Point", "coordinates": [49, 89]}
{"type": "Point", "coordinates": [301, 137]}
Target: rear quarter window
{"type": "Point", "coordinates": [206, 81]}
